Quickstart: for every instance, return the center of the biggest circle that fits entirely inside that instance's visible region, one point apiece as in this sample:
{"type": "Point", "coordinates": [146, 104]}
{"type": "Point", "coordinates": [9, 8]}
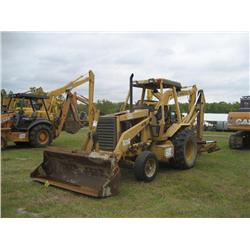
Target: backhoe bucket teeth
{"type": "Point", "coordinates": [89, 174]}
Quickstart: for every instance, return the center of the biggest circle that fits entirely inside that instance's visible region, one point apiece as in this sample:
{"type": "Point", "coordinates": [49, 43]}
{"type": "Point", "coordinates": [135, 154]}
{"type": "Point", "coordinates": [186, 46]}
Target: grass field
{"type": "Point", "coordinates": [218, 186]}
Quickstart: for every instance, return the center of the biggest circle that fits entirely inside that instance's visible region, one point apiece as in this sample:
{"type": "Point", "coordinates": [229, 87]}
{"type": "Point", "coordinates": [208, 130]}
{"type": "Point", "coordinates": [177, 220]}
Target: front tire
{"type": "Point", "coordinates": [40, 136]}
{"type": "Point", "coordinates": [185, 149]}
{"type": "Point", "coordinates": [146, 166]}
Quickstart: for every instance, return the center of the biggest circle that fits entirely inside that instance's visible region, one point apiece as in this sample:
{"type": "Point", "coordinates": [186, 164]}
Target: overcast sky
{"type": "Point", "coordinates": [217, 63]}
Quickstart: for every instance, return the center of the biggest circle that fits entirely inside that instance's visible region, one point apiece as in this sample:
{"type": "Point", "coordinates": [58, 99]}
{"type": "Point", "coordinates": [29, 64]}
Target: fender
{"type": "Point", "coordinates": [40, 121]}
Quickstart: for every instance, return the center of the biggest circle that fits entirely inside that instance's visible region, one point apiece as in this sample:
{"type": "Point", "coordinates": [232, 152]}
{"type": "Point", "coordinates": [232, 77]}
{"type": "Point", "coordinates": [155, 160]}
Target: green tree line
{"type": "Point", "coordinates": [107, 107]}
{"type": "Point", "coordinates": [216, 107]}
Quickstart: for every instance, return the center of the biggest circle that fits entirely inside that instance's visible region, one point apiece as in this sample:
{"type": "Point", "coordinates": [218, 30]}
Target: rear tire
{"type": "Point", "coordinates": [185, 149]}
{"type": "Point", "coordinates": [146, 166]}
{"type": "Point", "coordinates": [40, 136]}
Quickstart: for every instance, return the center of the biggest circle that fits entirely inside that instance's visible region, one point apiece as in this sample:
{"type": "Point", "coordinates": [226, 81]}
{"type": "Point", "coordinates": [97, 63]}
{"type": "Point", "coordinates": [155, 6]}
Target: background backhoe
{"type": "Point", "coordinates": [38, 118]}
{"type": "Point", "coordinates": [149, 132]}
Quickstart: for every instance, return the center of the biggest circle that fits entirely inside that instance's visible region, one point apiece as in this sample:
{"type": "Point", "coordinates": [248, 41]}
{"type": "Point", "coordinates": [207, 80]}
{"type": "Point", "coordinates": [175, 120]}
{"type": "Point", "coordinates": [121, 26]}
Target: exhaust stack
{"type": "Point", "coordinates": [131, 93]}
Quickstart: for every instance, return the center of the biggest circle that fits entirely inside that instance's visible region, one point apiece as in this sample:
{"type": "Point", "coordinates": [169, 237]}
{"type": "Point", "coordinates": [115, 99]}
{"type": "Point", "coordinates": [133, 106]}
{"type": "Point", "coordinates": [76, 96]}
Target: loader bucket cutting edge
{"type": "Point", "coordinates": [78, 172]}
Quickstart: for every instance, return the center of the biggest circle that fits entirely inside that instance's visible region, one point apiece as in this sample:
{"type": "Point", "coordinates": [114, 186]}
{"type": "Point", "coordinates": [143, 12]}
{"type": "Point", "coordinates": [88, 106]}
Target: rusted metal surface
{"type": "Point", "coordinates": [78, 172]}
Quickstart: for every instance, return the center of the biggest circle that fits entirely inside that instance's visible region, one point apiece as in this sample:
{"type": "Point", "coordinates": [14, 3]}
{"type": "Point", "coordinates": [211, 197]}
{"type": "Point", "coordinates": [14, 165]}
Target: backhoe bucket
{"type": "Point", "coordinates": [71, 126]}
{"type": "Point", "coordinates": [91, 174]}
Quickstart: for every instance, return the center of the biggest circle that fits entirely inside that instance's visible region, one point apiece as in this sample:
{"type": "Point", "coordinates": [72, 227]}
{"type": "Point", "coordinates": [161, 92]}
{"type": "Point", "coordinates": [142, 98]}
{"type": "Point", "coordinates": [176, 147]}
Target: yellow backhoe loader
{"type": "Point", "coordinates": [240, 122]}
{"type": "Point", "coordinates": [49, 116]}
{"type": "Point", "coordinates": [149, 132]}
{"type": "Point", "coordinates": [53, 102]}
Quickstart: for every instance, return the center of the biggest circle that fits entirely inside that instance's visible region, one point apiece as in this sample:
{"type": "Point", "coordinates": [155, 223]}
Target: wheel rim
{"type": "Point", "coordinates": [150, 167]}
{"type": "Point", "coordinates": [43, 137]}
{"type": "Point", "coordinates": [189, 150]}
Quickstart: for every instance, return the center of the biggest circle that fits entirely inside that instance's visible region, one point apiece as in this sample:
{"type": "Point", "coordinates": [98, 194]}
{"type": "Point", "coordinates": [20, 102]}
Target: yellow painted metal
{"type": "Point", "coordinates": [163, 151]}
{"type": "Point", "coordinates": [134, 115]}
{"type": "Point", "coordinates": [196, 111]}
{"type": "Point", "coordinates": [200, 109]}
{"type": "Point", "coordinates": [17, 136]}
{"type": "Point", "coordinates": [177, 107]}
{"type": "Point", "coordinates": [126, 137]}
{"type": "Point", "coordinates": [89, 143]}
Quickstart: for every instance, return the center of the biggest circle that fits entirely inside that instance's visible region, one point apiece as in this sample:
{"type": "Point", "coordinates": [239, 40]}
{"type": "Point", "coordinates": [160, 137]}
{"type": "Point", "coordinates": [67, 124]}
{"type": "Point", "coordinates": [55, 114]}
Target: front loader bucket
{"type": "Point", "coordinates": [89, 174]}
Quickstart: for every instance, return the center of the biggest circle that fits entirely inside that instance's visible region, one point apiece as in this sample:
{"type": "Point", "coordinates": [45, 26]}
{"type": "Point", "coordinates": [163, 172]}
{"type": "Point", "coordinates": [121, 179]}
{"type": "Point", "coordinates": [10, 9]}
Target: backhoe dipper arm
{"type": "Point", "coordinates": [92, 110]}
{"type": "Point", "coordinates": [52, 102]}
{"type": "Point", "coordinates": [72, 84]}
{"type": "Point", "coordinates": [63, 115]}
{"type": "Point", "coordinates": [204, 146]}
{"type": "Point", "coordinates": [197, 111]}
{"type": "Point", "coordinates": [200, 107]}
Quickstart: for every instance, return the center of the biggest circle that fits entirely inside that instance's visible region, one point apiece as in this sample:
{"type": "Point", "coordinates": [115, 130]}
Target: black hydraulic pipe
{"type": "Point", "coordinates": [131, 93]}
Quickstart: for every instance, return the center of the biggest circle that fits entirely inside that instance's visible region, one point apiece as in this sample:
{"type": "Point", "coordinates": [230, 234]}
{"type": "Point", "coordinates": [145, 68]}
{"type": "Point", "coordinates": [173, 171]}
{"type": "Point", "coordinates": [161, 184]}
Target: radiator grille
{"type": "Point", "coordinates": [106, 133]}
